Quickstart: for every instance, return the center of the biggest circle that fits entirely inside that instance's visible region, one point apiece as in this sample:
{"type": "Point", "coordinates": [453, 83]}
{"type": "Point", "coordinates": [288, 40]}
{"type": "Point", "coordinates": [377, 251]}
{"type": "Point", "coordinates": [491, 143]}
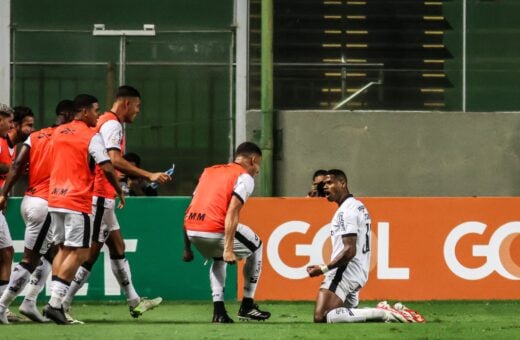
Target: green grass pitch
{"type": "Point", "coordinates": [290, 320]}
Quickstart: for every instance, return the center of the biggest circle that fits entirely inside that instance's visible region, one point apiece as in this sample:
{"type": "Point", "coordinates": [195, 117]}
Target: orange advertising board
{"type": "Point", "coordinates": [422, 248]}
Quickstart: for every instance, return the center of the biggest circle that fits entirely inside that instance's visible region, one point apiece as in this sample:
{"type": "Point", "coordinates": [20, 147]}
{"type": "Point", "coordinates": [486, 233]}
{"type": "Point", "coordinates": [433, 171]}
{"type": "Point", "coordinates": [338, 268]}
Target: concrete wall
{"type": "Point", "coordinates": [399, 153]}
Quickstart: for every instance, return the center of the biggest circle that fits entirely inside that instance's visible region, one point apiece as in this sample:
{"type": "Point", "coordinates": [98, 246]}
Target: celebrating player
{"type": "Point", "coordinates": [347, 272]}
{"type": "Point", "coordinates": [106, 227]}
{"type": "Point", "coordinates": [211, 224]}
{"type": "Point", "coordinates": [76, 148]}
{"type": "Point", "coordinates": [34, 153]}
{"type": "Point", "coordinates": [6, 243]}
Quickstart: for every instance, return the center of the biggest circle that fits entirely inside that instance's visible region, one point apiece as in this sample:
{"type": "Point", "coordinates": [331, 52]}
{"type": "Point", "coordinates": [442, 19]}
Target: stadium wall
{"type": "Point", "coordinates": [152, 228]}
{"type": "Point", "coordinates": [421, 249]}
{"type": "Point", "coordinates": [398, 153]}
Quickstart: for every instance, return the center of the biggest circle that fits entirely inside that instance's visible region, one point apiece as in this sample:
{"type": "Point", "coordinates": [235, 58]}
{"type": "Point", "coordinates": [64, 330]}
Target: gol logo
{"type": "Point", "coordinates": [314, 251]}
{"type": "Point", "coordinates": [497, 252]}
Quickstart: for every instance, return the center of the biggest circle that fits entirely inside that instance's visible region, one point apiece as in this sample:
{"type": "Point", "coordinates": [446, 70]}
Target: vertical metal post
{"type": "Point", "coordinates": [464, 46]}
{"type": "Point", "coordinates": [266, 175]}
{"type": "Point", "coordinates": [241, 74]}
{"type": "Point", "coordinates": [5, 51]}
{"type": "Point", "coordinates": [122, 59]}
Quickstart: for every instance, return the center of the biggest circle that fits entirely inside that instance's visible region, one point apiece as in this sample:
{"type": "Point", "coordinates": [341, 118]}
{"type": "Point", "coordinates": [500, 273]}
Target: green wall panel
{"type": "Point", "coordinates": [154, 227]}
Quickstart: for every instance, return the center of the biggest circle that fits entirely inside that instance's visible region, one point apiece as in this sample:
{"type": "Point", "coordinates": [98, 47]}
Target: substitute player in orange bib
{"type": "Point", "coordinates": [347, 271]}
{"type": "Point", "coordinates": [211, 224]}
{"type": "Point", "coordinates": [106, 227]}
{"type": "Point", "coordinates": [35, 153]}
{"type": "Point", "coordinates": [77, 148]}
{"type": "Point", "coordinates": [6, 242]}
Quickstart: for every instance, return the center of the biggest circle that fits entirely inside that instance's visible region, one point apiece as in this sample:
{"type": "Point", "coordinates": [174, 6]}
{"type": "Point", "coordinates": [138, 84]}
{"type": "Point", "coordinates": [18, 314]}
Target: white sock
{"type": "Point", "coordinates": [38, 279]}
{"type": "Point", "coordinates": [82, 275]}
{"type": "Point", "coordinates": [343, 314]}
{"type": "Point", "coordinates": [3, 287]}
{"type": "Point", "coordinates": [217, 279]}
{"type": "Point", "coordinates": [59, 291]}
{"type": "Point", "coordinates": [17, 282]}
{"type": "Point", "coordinates": [121, 270]}
{"type": "Point", "coordinates": [252, 270]}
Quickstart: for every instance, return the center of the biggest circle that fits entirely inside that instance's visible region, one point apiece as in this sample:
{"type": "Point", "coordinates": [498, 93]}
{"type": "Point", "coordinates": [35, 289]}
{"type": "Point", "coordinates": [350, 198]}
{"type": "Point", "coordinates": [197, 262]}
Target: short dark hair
{"type": "Point", "coordinates": [339, 174]}
{"type": "Point", "coordinates": [133, 157]}
{"type": "Point", "coordinates": [248, 149]}
{"type": "Point", "coordinates": [5, 111]}
{"type": "Point", "coordinates": [319, 172]}
{"type": "Point", "coordinates": [83, 101]}
{"type": "Point", "coordinates": [127, 91]}
{"type": "Point", "coordinates": [20, 112]}
{"type": "Point", "coordinates": [66, 105]}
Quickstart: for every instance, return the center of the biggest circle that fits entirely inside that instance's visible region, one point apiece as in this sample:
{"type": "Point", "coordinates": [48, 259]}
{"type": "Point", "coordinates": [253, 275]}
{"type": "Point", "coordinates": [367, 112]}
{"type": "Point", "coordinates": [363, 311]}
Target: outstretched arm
{"type": "Point", "coordinates": [128, 168]}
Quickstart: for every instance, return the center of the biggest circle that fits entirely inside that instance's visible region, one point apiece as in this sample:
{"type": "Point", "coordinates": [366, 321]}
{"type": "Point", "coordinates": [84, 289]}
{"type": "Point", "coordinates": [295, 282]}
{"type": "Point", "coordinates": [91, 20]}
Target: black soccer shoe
{"type": "Point", "coordinates": [253, 314]}
{"type": "Point", "coordinates": [222, 318]}
{"type": "Point", "coordinates": [55, 314]}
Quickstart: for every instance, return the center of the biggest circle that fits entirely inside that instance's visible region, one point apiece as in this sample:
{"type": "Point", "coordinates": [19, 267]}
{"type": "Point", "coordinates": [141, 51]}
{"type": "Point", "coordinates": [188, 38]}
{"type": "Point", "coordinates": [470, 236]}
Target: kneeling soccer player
{"type": "Point", "coordinates": [348, 269]}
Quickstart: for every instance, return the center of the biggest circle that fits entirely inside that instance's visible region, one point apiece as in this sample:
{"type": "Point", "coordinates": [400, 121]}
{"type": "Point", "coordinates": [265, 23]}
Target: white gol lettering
{"type": "Point", "coordinates": [313, 251]}
{"type": "Point", "coordinates": [490, 251]}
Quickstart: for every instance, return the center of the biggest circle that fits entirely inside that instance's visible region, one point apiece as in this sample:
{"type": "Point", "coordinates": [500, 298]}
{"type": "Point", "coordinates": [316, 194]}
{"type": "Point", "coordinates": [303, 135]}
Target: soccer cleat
{"type": "Point", "coordinates": [71, 320]}
{"type": "Point", "coordinates": [3, 318]}
{"type": "Point", "coordinates": [144, 305]}
{"type": "Point", "coordinates": [222, 318]}
{"type": "Point", "coordinates": [12, 317]}
{"type": "Point", "coordinates": [397, 315]}
{"type": "Point", "coordinates": [413, 314]}
{"type": "Point", "coordinates": [55, 314]}
{"type": "Point", "coordinates": [253, 314]}
{"type": "Point", "coordinates": [28, 309]}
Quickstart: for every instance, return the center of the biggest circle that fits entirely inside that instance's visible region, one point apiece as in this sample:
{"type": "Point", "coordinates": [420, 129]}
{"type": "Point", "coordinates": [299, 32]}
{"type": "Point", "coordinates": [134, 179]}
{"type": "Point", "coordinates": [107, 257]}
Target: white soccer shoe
{"type": "Point", "coordinates": [3, 318]}
{"type": "Point", "coordinates": [144, 305]}
{"type": "Point", "coordinates": [394, 314]}
{"type": "Point", "coordinates": [28, 309]}
{"type": "Point", "coordinates": [71, 320]}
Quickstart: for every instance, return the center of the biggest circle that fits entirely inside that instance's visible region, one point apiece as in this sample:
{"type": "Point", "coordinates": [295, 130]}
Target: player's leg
{"type": "Point", "coordinates": [217, 279]}
{"type": "Point", "coordinates": [248, 245]}
{"type": "Point", "coordinates": [350, 313]}
{"type": "Point", "coordinates": [99, 235]}
{"type": "Point", "coordinates": [6, 259]}
{"type": "Point", "coordinates": [6, 253]}
{"type": "Point", "coordinates": [212, 248]}
{"type": "Point", "coordinates": [82, 274]}
{"type": "Point", "coordinates": [75, 250]}
{"type": "Point", "coordinates": [120, 266]}
{"type": "Point", "coordinates": [36, 285]}
{"type": "Point", "coordinates": [37, 240]}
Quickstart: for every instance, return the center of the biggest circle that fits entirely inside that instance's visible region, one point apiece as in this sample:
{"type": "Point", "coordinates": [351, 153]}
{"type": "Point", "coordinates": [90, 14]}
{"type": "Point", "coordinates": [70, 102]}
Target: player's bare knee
{"type": "Point", "coordinates": [320, 317]}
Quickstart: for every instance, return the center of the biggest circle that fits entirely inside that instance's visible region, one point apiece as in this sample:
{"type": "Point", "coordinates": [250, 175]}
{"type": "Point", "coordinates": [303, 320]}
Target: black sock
{"type": "Point", "coordinates": [247, 303]}
{"type": "Point", "coordinates": [218, 307]}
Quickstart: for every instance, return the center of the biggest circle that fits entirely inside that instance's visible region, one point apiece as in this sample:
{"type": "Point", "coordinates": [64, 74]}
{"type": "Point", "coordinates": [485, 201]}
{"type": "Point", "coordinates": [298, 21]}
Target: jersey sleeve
{"type": "Point", "coordinates": [244, 187]}
{"type": "Point", "coordinates": [28, 141]}
{"type": "Point", "coordinates": [112, 134]}
{"type": "Point", "coordinates": [349, 223]}
{"type": "Point", "coordinates": [96, 149]}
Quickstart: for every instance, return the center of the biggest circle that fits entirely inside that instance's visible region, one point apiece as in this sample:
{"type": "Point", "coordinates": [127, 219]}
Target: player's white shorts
{"type": "Point", "coordinates": [5, 235]}
{"type": "Point", "coordinates": [105, 220]}
{"type": "Point", "coordinates": [35, 214]}
{"type": "Point", "coordinates": [211, 245]}
{"type": "Point", "coordinates": [345, 288]}
{"type": "Point", "coordinates": [73, 229]}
